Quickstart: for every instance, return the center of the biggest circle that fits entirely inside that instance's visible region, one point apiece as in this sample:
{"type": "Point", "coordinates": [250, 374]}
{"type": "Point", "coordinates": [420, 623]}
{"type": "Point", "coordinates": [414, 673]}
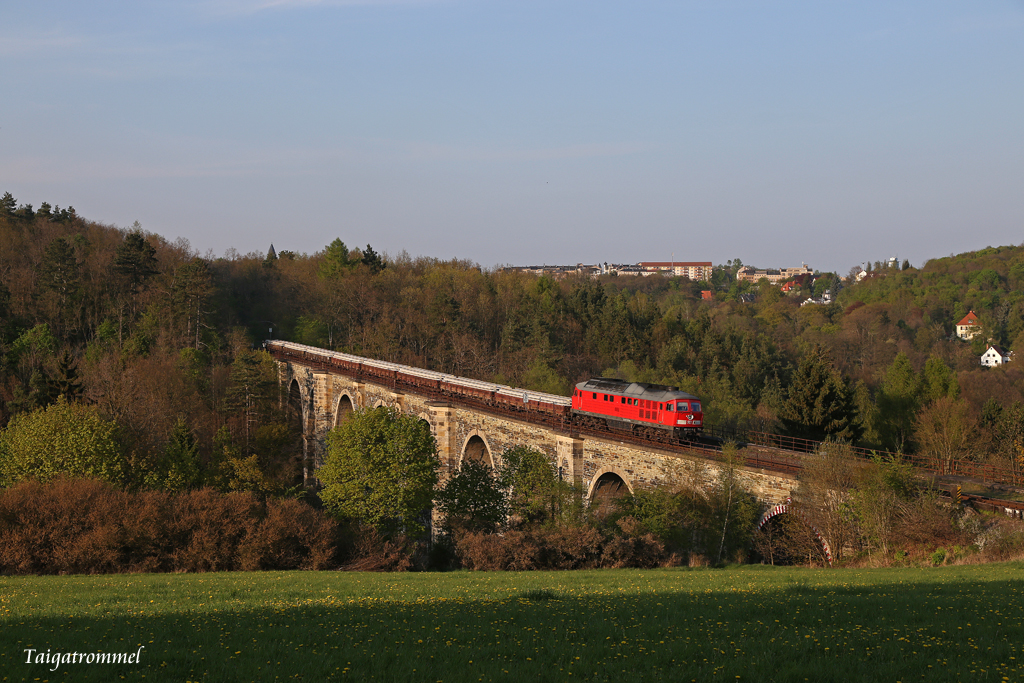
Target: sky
{"type": "Point", "coordinates": [527, 132]}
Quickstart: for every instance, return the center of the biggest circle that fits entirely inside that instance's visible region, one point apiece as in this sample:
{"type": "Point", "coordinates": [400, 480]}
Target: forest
{"type": "Point", "coordinates": [159, 346]}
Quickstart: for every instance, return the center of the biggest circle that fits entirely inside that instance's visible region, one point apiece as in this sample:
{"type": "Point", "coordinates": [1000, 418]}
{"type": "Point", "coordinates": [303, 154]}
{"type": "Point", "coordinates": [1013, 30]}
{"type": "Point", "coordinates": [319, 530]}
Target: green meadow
{"type": "Point", "coordinates": [748, 623]}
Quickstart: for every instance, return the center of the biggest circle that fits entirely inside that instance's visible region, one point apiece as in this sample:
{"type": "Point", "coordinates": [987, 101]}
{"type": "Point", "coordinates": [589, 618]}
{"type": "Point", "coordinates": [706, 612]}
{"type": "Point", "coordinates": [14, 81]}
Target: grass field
{"type": "Point", "coordinates": [745, 623]}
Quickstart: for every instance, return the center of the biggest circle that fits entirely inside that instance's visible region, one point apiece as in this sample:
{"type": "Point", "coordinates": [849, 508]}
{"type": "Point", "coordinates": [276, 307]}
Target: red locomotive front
{"type": "Point", "coordinates": [637, 406]}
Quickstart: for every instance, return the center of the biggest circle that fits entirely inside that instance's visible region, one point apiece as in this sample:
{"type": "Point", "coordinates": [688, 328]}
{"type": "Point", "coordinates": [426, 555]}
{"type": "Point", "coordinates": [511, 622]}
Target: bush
{"type": "Point", "coordinates": [89, 527]}
{"type": "Point", "coordinates": [373, 552]}
{"type": "Point", "coordinates": [577, 546]}
{"type": "Point", "coordinates": [292, 536]}
{"type": "Point", "coordinates": [515, 550]}
{"type": "Point", "coordinates": [60, 528]}
{"type": "Point", "coordinates": [634, 548]}
{"type": "Point", "coordinates": [569, 547]}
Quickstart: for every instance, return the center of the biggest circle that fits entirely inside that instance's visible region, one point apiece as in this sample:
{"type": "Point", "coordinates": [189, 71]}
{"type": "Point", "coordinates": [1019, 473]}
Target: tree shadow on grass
{"type": "Point", "coordinates": [813, 626]}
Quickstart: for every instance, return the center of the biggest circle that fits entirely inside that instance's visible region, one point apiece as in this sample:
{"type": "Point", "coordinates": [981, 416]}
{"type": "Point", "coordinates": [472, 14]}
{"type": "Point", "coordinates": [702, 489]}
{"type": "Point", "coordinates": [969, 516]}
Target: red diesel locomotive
{"type": "Point", "coordinates": [635, 405]}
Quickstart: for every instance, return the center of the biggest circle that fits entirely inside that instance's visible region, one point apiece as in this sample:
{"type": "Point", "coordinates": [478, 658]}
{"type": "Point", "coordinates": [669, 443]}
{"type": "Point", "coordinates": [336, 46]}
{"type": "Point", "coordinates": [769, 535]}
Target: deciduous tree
{"type": "Point", "coordinates": [191, 290]}
{"type": "Point", "coordinates": [826, 495]}
{"type": "Point", "coordinates": [532, 484]}
{"type": "Point", "coordinates": [253, 388]}
{"type": "Point", "coordinates": [62, 439]}
{"type": "Point", "coordinates": [473, 499]}
{"type": "Point", "coordinates": [945, 429]}
{"type": "Point", "coordinates": [380, 470]}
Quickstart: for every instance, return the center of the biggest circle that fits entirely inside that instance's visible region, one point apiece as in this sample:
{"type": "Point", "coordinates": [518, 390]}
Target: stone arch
{"type": "Point", "coordinates": [426, 418]}
{"type": "Point", "coordinates": [475, 447]}
{"type": "Point", "coordinates": [343, 408]}
{"type": "Point", "coordinates": [301, 413]}
{"type": "Point", "coordinates": [606, 487]}
{"type": "Point", "coordinates": [786, 509]}
{"type": "Point", "coordinates": [296, 404]}
{"type": "Point", "coordinates": [609, 477]}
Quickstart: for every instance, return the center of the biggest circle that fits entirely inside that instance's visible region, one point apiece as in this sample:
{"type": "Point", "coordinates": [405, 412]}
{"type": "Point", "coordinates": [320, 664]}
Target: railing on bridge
{"type": "Point", "coordinates": [947, 467]}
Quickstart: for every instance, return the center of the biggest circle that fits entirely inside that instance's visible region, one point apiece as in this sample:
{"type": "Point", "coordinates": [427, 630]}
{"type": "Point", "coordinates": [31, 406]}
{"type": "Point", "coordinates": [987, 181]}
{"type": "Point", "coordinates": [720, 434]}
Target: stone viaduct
{"type": "Point", "coordinates": [604, 466]}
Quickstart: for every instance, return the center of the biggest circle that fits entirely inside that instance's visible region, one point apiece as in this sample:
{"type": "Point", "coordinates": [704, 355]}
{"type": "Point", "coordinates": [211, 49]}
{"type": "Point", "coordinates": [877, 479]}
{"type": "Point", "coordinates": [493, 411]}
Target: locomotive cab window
{"type": "Point", "coordinates": [683, 406]}
{"type": "Point", "coordinates": [668, 406]}
{"type": "Point", "coordinates": [595, 397]}
{"type": "Point", "coordinates": [696, 407]}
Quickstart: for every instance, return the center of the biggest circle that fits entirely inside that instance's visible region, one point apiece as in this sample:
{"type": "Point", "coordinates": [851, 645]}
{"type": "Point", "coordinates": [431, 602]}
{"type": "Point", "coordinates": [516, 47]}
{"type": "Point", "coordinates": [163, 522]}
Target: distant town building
{"type": "Point", "coordinates": [694, 270]}
{"type": "Point", "coordinates": [826, 298]}
{"type": "Point", "coordinates": [559, 272]}
{"type": "Point", "coordinates": [969, 327]}
{"type": "Point", "coordinates": [748, 274]}
{"type": "Point", "coordinates": [994, 356]}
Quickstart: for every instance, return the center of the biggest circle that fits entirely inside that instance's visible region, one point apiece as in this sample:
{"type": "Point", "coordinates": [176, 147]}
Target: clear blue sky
{"type": "Point", "coordinates": [514, 131]}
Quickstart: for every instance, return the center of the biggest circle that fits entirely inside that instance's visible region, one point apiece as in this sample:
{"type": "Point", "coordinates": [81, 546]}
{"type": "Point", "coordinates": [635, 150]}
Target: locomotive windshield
{"type": "Point", "coordinates": [696, 406]}
{"type": "Point", "coordinates": [683, 406]}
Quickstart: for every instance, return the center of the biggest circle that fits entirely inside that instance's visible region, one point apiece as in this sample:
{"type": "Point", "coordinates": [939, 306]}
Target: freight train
{"type": "Point", "coordinates": [598, 402]}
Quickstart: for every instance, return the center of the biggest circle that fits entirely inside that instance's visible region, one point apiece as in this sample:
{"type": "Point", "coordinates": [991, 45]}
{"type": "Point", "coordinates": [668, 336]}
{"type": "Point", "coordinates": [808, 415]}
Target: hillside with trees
{"type": "Point", "coordinates": [151, 350]}
{"type": "Point", "coordinates": [160, 338]}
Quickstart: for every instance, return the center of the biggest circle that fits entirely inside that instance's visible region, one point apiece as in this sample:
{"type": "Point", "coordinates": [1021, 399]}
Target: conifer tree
{"type": "Point", "coordinates": [65, 381]}
{"type": "Point", "coordinates": [939, 380]}
{"type": "Point", "coordinates": [135, 260]}
{"type": "Point", "coordinates": [8, 203]}
{"type": "Point", "coordinates": [59, 273]}
{"type": "Point", "coordinates": [373, 261]}
{"type": "Point", "coordinates": [820, 404]}
{"type": "Point", "coordinates": [178, 469]}
{"type": "Point", "coordinates": [253, 388]}
{"type": "Point", "coordinates": [898, 401]}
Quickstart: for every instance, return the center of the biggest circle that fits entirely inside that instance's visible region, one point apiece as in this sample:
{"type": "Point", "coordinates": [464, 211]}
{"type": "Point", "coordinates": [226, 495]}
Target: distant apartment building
{"type": "Point", "coordinates": [748, 274]}
{"type": "Point", "coordinates": [694, 270]}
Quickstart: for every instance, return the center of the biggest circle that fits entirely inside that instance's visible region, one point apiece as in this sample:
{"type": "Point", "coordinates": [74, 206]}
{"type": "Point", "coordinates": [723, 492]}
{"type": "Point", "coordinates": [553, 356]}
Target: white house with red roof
{"type": "Point", "coordinates": [969, 327]}
{"type": "Point", "coordinates": [994, 356]}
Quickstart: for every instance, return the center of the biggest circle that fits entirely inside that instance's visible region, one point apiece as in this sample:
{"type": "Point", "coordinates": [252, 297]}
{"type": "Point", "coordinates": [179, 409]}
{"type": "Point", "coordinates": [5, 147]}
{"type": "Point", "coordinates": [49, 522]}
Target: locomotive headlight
{"type": "Point", "coordinates": [689, 417]}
